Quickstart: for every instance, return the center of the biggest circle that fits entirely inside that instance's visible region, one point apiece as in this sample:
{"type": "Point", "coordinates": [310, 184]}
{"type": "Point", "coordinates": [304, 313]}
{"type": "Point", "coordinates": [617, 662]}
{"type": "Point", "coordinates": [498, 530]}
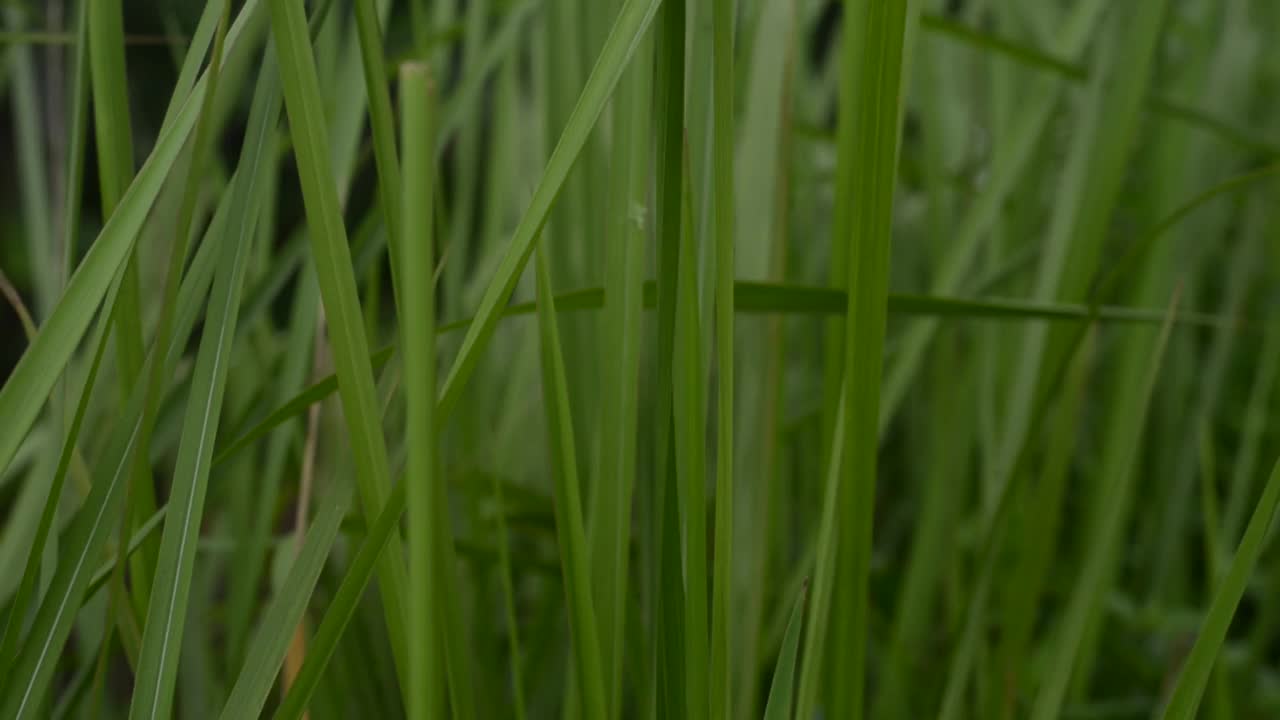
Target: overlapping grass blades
{"type": "Point", "coordinates": [1048, 175]}
{"type": "Point", "coordinates": [347, 335]}
{"type": "Point", "coordinates": [162, 639]}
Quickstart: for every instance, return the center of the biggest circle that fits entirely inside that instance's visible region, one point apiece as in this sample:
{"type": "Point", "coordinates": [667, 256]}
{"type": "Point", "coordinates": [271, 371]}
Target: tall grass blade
{"type": "Point", "coordinates": [722, 604]}
{"type": "Point", "coordinates": [868, 163]}
{"type": "Point", "coordinates": [418, 118]}
{"type": "Point", "coordinates": [609, 518]}
{"type": "Point", "coordinates": [574, 560]}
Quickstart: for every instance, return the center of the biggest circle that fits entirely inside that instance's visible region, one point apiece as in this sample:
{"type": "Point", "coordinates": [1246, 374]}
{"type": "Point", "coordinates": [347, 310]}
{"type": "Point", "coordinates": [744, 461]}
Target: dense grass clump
{"type": "Point", "coordinates": [638, 359]}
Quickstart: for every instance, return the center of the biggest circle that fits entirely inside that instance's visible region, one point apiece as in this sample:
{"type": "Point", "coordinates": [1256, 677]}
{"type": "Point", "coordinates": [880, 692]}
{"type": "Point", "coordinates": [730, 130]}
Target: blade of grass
{"type": "Point", "coordinates": [1037, 526]}
{"type": "Point", "coordinates": [509, 603]}
{"type": "Point", "coordinates": [818, 627]}
{"type": "Point", "coordinates": [668, 577]}
{"type": "Point", "coordinates": [574, 561]}
{"type": "Point", "coordinates": [242, 596]}
{"type": "Point", "coordinates": [383, 126]}
{"type": "Point", "coordinates": [115, 172]}
{"type": "Point", "coordinates": [1195, 673]}
{"type": "Point", "coordinates": [34, 187]}
{"type": "Point", "coordinates": [689, 395]}
{"type": "Point", "coordinates": [266, 654]}
{"type": "Point", "coordinates": [932, 544]}
{"type": "Point", "coordinates": [1261, 393]}
{"type": "Point", "coordinates": [722, 606]}
{"type": "Point", "coordinates": [418, 117]}
{"type": "Point", "coordinates": [143, 506]}
{"type": "Point", "coordinates": [781, 692]}
{"type": "Point", "coordinates": [609, 516]}
{"type": "Point", "coordinates": [868, 162]}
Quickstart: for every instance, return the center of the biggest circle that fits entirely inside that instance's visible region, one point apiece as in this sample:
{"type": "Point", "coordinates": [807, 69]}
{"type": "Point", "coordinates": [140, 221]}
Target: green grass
{"type": "Point", "coordinates": [638, 359]}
